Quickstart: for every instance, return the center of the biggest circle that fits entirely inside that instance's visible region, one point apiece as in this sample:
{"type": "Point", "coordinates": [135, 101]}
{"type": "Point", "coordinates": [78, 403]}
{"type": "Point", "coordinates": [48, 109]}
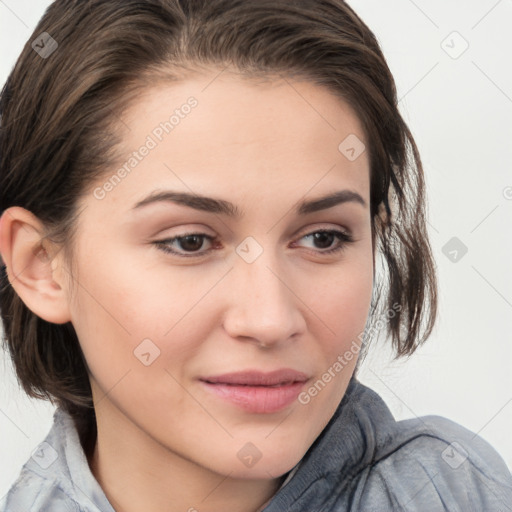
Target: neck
{"type": "Point", "coordinates": [138, 473]}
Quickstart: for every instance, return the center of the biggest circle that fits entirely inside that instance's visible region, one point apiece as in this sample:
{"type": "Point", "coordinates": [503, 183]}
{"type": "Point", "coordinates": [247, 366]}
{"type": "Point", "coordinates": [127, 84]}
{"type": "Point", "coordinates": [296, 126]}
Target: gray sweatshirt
{"type": "Point", "coordinates": [363, 460]}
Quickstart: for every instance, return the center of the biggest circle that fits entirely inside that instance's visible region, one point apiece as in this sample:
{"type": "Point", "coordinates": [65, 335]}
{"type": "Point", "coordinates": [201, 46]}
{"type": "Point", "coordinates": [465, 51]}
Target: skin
{"type": "Point", "coordinates": [164, 442]}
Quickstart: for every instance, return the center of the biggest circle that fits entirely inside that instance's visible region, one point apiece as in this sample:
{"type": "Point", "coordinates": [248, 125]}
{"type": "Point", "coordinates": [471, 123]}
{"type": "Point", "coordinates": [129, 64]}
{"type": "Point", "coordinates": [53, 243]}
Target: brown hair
{"type": "Point", "coordinates": [56, 139]}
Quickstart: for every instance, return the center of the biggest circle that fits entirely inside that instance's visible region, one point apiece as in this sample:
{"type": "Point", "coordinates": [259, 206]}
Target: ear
{"type": "Point", "coordinates": [34, 267]}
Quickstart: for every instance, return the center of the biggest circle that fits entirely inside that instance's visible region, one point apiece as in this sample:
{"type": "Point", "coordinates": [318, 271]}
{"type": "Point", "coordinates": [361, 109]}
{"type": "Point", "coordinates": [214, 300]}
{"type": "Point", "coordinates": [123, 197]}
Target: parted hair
{"type": "Point", "coordinates": [56, 139]}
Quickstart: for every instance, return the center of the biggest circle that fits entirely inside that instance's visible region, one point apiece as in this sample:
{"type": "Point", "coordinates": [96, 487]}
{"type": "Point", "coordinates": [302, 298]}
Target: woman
{"type": "Point", "coordinates": [190, 249]}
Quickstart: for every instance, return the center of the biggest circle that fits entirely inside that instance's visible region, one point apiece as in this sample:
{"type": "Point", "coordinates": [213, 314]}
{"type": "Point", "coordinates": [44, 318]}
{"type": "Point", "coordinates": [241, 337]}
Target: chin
{"type": "Point", "coordinates": [264, 470]}
{"type": "Point", "coordinates": [268, 462]}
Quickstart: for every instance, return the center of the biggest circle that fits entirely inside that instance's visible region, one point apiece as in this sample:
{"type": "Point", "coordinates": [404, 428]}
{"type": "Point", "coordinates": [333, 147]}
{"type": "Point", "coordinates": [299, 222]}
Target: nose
{"type": "Point", "coordinates": [263, 307]}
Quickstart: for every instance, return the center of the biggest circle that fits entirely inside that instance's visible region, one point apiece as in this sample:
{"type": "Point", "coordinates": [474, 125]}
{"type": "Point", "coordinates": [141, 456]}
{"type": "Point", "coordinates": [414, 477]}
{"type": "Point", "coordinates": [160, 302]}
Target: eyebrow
{"type": "Point", "coordinates": [212, 205]}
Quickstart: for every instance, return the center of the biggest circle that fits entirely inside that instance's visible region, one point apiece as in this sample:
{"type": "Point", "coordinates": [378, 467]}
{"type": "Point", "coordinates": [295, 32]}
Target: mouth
{"type": "Point", "coordinates": [256, 391]}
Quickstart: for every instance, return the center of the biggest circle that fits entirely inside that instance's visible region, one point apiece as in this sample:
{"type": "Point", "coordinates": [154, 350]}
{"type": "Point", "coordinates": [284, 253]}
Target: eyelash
{"type": "Point", "coordinates": [163, 245]}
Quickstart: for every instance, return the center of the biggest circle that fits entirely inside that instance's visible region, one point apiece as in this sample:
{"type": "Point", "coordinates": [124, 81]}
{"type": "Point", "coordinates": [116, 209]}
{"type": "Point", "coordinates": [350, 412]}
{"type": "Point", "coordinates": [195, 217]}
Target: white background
{"type": "Point", "coordinates": [460, 112]}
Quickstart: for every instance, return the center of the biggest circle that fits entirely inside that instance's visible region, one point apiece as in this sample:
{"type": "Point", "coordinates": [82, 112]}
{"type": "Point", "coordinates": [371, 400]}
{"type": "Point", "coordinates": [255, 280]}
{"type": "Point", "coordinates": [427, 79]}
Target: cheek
{"type": "Point", "coordinates": [341, 298]}
{"type": "Point", "coordinates": [340, 308]}
{"type": "Point", "coordinates": [120, 305]}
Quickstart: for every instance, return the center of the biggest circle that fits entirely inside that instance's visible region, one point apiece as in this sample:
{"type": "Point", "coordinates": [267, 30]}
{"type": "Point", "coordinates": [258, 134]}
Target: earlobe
{"type": "Point", "coordinates": [32, 266]}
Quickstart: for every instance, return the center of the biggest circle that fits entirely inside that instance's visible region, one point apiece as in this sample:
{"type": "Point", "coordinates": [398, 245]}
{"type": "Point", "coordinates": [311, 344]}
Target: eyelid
{"type": "Point", "coordinates": [181, 230]}
{"type": "Point", "coordinates": [319, 226]}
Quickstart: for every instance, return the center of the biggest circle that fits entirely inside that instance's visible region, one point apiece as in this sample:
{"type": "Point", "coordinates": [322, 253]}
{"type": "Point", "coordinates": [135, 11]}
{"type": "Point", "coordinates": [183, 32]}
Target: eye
{"type": "Point", "coordinates": [324, 239]}
{"type": "Point", "coordinates": [189, 244]}
{"type": "Point", "coordinates": [193, 244]}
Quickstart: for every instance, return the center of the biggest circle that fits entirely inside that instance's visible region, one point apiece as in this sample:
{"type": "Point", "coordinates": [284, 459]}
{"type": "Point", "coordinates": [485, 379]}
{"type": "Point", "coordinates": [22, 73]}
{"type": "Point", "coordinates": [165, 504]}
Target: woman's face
{"type": "Point", "coordinates": [225, 270]}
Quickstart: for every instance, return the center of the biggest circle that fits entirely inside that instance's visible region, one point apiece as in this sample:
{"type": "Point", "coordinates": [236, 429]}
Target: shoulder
{"type": "Point", "coordinates": [365, 460]}
{"type": "Point", "coordinates": [436, 464]}
{"type": "Point", "coordinates": [32, 493]}
{"type": "Point", "coordinates": [56, 476]}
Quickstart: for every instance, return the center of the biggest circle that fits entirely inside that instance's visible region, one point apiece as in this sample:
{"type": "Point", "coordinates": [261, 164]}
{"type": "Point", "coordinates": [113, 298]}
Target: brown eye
{"type": "Point", "coordinates": [324, 239]}
{"type": "Point", "coordinates": [189, 244]}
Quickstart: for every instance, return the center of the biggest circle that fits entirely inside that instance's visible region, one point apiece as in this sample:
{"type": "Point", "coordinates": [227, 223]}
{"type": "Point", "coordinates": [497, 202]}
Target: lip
{"type": "Point", "coordinates": [256, 391]}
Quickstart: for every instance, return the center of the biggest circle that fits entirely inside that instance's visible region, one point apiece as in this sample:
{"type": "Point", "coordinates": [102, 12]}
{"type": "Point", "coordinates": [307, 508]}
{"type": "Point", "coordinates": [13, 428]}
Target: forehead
{"type": "Point", "coordinates": [224, 134]}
